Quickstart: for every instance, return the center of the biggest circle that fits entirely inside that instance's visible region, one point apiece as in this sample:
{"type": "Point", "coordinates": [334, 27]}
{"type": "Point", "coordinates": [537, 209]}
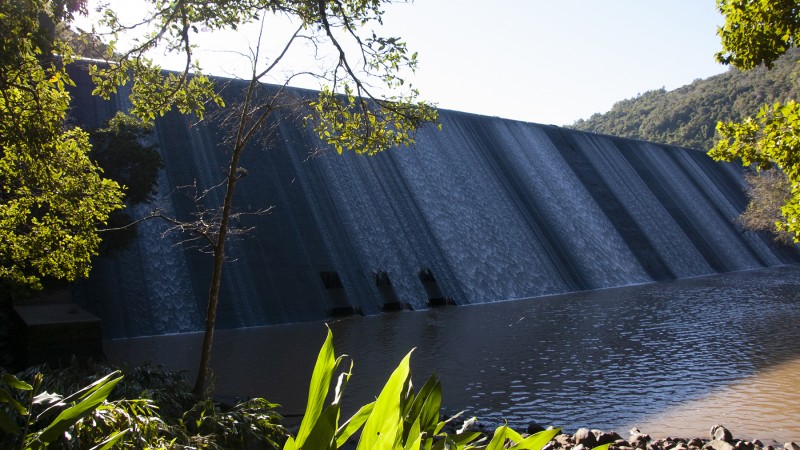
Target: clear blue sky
{"type": "Point", "coordinates": [556, 61]}
{"type": "Point", "coordinates": [544, 61]}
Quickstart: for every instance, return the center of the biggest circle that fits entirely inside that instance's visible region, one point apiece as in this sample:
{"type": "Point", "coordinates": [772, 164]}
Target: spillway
{"type": "Point", "coordinates": [485, 210]}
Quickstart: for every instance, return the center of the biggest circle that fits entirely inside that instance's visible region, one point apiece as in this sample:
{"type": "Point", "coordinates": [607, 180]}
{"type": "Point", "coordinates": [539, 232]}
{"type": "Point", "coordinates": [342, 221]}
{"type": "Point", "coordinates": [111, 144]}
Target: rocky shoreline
{"type": "Point", "coordinates": [720, 438]}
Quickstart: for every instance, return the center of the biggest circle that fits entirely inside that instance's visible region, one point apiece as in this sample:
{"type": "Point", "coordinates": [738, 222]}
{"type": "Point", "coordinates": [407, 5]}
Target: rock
{"type": "Point", "coordinates": [585, 437]}
{"type": "Point", "coordinates": [621, 443]}
{"type": "Point", "coordinates": [601, 437]}
{"type": "Point", "coordinates": [639, 440]}
{"type": "Point", "coordinates": [534, 428]}
{"type": "Point", "coordinates": [744, 445]}
{"type": "Point", "coordinates": [720, 433]}
{"type": "Point", "coordinates": [696, 442]}
{"type": "Point", "coordinates": [791, 446]}
{"type": "Point", "coordinates": [718, 444]}
{"type": "Point", "coordinates": [564, 440]}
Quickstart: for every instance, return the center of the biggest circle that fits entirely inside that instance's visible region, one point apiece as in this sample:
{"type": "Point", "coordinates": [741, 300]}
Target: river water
{"type": "Point", "coordinates": [673, 358]}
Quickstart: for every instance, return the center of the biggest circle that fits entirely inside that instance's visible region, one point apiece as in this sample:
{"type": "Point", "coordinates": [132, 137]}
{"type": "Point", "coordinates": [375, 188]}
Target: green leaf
{"type": "Point", "coordinates": [462, 439]}
{"type": "Point", "coordinates": [15, 382]}
{"type": "Point", "coordinates": [94, 397]}
{"type": "Point", "coordinates": [538, 440]}
{"type": "Point", "coordinates": [111, 441]}
{"type": "Point", "coordinates": [429, 416]}
{"type": "Point", "coordinates": [498, 439]}
{"type": "Point", "coordinates": [385, 423]}
{"type": "Point", "coordinates": [322, 435]}
{"type": "Point", "coordinates": [5, 397]}
{"type": "Point", "coordinates": [353, 424]}
{"type": "Point", "coordinates": [318, 390]}
{"type": "Point", "coordinates": [602, 447]}
{"type": "Point", "coordinates": [8, 424]}
{"type": "Point", "coordinates": [77, 396]}
{"type": "Point", "coordinates": [414, 436]}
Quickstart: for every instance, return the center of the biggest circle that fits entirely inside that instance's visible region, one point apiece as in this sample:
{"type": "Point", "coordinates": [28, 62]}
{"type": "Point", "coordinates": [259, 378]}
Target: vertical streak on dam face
{"type": "Point", "coordinates": [485, 210]}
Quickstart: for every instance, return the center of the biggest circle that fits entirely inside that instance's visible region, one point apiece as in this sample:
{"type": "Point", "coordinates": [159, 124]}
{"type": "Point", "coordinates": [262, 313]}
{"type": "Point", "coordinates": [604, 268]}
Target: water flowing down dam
{"type": "Point", "coordinates": [485, 210]}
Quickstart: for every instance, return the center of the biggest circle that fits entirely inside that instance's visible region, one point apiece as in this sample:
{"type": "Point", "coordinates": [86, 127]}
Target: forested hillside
{"type": "Point", "coordinates": [687, 116]}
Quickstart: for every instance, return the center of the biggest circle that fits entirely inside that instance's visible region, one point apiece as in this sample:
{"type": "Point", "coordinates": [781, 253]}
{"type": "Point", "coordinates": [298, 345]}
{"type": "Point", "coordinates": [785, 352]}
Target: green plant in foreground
{"type": "Point", "coordinates": [43, 418]}
{"type": "Point", "coordinates": [397, 419]}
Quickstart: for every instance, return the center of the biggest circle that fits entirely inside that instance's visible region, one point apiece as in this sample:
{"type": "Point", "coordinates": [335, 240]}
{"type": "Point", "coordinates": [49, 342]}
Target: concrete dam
{"type": "Point", "coordinates": [485, 210]}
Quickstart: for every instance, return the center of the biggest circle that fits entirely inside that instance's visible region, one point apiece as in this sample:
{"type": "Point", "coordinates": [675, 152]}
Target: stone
{"type": "Point", "coordinates": [720, 433]}
{"type": "Point", "coordinates": [696, 442]}
{"type": "Point", "coordinates": [534, 428]}
{"type": "Point", "coordinates": [744, 445]}
{"type": "Point", "coordinates": [585, 437]}
{"type": "Point", "coordinates": [717, 444]}
{"type": "Point", "coordinates": [602, 438]}
{"type": "Point", "coordinates": [564, 440]}
{"type": "Point", "coordinates": [639, 440]}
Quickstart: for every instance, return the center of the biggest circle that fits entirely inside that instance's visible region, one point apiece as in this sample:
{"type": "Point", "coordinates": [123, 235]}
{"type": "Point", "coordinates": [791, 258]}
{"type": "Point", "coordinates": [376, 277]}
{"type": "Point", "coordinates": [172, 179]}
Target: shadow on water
{"type": "Point", "coordinates": [604, 359]}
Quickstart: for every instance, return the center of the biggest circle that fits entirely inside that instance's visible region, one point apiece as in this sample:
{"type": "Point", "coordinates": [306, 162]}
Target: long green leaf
{"type": "Point", "coordinates": [322, 435]}
{"type": "Point", "coordinates": [77, 396]}
{"type": "Point", "coordinates": [499, 439]}
{"type": "Point", "coordinates": [603, 447]}
{"type": "Point", "coordinates": [429, 416]}
{"type": "Point", "coordinates": [538, 440]}
{"type": "Point", "coordinates": [353, 424]}
{"type": "Point", "coordinates": [344, 377]}
{"type": "Point", "coordinates": [8, 424]}
{"type": "Point", "coordinates": [414, 437]}
{"type": "Point", "coordinates": [460, 440]}
{"type": "Point", "coordinates": [415, 408]}
{"type": "Point", "coordinates": [74, 413]}
{"type": "Point", "coordinates": [5, 397]}
{"type": "Point", "coordinates": [384, 425]}
{"type": "Point", "coordinates": [15, 382]}
{"type": "Point", "coordinates": [318, 390]}
{"type": "Point", "coordinates": [110, 441]}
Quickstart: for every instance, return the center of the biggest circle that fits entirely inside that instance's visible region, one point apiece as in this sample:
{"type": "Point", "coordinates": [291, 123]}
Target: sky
{"type": "Point", "coordinates": [542, 61]}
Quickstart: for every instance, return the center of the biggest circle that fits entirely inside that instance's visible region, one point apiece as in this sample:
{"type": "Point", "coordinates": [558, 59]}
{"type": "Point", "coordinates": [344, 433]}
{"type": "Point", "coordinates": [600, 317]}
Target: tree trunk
{"type": "Point", "coordinates": [216, 277]}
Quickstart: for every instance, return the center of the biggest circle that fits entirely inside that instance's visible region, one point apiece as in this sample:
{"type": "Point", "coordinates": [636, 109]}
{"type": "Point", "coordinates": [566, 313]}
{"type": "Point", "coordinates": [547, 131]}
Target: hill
{"type": "Point", "coordinates": [687, 116]}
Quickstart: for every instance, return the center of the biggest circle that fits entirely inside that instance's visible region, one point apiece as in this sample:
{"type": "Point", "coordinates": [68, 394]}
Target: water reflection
{"type": "Point", "coordinates": [606, 359]}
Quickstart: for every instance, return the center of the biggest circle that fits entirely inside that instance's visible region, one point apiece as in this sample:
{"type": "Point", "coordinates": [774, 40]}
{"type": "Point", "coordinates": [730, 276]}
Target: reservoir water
{"type": "Point", "coordinates": [673, 358]}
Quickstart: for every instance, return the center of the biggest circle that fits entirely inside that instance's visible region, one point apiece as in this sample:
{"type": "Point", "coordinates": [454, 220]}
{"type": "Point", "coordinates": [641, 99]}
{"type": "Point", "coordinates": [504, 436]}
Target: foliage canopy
{"type": "Point", "coordinates": [52, 197]}
{"type": "Point", "coordinates": [687, 116]}
{"type": "Point", "coordinates": [758, 32]}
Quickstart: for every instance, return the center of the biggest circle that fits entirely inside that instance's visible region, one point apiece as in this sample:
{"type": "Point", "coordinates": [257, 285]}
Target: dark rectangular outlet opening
{"type": "Point", "coordinates": [434, 293]}
{"type": "Point", "coordinates": [389, 299]}
{"type": "Point", "coordinates": [331, 280]}
{"type": "Point", "coordinates": [339, 306]}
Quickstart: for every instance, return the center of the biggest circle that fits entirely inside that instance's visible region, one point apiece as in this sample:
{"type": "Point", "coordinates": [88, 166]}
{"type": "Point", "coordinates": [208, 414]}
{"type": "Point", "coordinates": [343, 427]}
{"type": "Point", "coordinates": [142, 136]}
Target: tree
{"type": "Point", "coordinates": [757, 32]}
{"type": "Point", "coordinates": [52, 197]}
{"type": "Point", "coordinates": [767, 192]}
{"type": "Point", "coordinates": [349, 113]}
